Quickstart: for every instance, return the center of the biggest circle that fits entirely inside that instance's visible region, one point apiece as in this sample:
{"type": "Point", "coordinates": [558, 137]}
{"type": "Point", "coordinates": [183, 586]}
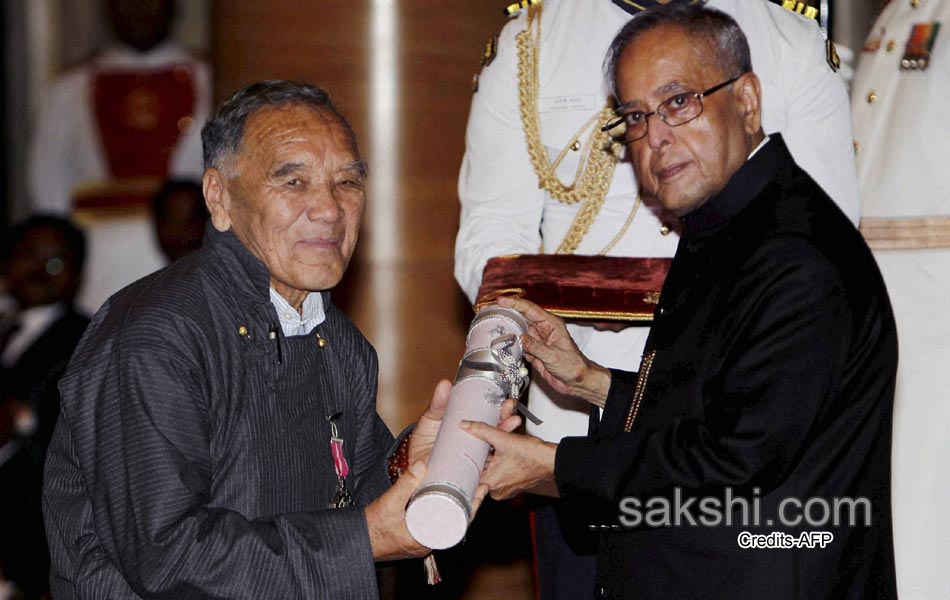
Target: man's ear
{"type": "Point", "coordinates": [217, 198]}
{"type": "Point", "coordinates": [749, 94]}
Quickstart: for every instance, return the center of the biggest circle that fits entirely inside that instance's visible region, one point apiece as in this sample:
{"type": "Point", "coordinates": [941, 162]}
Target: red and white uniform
{"type": "Point", "coordinates": [109, 132]}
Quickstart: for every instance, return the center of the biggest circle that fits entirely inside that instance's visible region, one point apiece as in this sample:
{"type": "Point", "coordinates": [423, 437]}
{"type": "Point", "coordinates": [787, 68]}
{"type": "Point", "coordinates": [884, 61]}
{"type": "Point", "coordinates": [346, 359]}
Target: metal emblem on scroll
{"type": "Point", "coordinates": [491, 370]}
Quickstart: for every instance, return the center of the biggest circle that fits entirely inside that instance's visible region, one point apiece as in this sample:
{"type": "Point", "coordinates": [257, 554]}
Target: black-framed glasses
{"type": "Point", "coordinates": [675, 111]}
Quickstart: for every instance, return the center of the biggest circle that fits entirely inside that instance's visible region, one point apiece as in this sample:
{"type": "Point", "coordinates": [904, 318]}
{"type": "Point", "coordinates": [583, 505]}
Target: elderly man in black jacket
{"type": "Point", "coordinates": [750, 456]}
{"type": "Point", "coordinates": [219, 435]}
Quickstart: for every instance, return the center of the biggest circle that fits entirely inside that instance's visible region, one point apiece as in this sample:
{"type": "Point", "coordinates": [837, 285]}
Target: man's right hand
{"type": "Point", "coordinates": [389, 537]}
{"type": "Point", "coordinates": [552, 352]}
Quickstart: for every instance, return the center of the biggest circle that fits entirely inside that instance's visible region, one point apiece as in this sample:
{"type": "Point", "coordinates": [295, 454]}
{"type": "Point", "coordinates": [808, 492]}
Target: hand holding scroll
{"type": "Point", "coordinates": [385, 518]}
{"type": "Point", "coordinates": [518, 463]}
{"type": "Point", "coordinates": [554, 355]}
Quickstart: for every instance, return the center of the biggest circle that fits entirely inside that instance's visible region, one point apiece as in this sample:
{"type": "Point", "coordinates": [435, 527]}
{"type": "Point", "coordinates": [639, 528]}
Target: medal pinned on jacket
{"type": "Point", "coordinates": [342, 498]}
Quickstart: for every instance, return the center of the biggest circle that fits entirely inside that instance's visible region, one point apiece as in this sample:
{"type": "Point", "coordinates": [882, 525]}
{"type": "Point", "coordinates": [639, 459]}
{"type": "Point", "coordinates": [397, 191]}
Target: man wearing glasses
{"type": "Point", "coordinates": [769, 371]}
{"type": "Point", "coordinates": [539, 176]}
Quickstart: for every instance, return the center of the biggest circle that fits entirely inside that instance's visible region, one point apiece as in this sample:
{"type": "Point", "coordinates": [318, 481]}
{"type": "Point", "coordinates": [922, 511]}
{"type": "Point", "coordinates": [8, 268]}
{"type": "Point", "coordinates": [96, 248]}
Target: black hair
{"type": "Point", "coordinates": [75, 238]}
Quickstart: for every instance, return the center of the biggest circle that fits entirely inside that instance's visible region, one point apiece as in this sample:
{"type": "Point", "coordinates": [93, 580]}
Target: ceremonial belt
{"type": "Point", "coordinates": [906, 233]}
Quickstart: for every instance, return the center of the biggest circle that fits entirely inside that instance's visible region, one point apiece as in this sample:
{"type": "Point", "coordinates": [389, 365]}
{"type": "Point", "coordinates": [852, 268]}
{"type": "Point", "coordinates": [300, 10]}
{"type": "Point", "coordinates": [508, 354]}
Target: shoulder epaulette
{"type": "Point", "coordinates": [801, 8]}
{"type": "Point", "coordinates": [512, 10]}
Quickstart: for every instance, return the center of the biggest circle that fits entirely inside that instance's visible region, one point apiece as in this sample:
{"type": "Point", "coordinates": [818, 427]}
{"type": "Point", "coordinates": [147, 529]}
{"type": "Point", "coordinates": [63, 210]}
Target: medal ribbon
{"type": "Point", "coordinates": [336, 448]}
{"type": "Point", "coordinates": [339, 461]}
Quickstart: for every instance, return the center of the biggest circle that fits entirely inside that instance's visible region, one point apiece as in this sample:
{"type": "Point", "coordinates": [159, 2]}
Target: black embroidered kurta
{"type": "Point", "coordinates": [192, 457]}
{"type": "Point", "coordinates": [773, 375]}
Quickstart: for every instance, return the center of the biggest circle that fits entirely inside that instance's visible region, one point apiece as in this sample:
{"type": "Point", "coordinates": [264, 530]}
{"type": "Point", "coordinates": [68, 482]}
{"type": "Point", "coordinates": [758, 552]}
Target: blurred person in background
{"type": "Point", "coordinates": [111, 132]}
{"type": "Point", "coordinates": [179, 216]}
{"type": "Point", "coordinates": [42, 270]}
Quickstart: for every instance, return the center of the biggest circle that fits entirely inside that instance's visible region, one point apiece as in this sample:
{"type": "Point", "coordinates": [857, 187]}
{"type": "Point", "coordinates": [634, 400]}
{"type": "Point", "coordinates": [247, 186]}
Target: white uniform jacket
{"type": "Point", "coordinates": [902, 132]}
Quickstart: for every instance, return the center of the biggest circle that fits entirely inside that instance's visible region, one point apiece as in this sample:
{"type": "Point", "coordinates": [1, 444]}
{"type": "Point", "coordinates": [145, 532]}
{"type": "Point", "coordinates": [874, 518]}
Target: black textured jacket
{"type": "Point", "coordinates": [192, 455]}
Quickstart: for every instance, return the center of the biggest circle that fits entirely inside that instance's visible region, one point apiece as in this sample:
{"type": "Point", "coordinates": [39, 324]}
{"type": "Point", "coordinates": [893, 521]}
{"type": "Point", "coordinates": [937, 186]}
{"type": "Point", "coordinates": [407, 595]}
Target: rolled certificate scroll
{"type": "Point", "coordinates": [490, 371]}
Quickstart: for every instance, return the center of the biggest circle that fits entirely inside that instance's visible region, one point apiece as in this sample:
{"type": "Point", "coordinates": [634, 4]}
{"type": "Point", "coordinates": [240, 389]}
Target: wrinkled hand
{"type": "Point", "coordinates": [389, 538]}
{"type": "Point", "coordinates": [386, 516]}
{"type": "Point", "coordinates": [509, 419]}
{"type": "Point", "coordinates": [552, 352]}
{"type": "Point", "coordinates": [519, 462]}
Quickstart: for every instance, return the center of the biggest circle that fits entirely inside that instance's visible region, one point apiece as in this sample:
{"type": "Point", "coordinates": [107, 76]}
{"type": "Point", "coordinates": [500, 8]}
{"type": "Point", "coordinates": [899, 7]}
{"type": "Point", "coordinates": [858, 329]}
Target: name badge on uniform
{"type": "Point", "coordinates": [559, 103]}
{"type": "Point", "coordinates": [917, 51]}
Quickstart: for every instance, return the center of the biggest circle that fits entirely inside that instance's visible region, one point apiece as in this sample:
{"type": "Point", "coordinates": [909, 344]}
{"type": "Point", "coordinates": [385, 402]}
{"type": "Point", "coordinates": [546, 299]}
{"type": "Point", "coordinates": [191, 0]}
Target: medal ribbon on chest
{"type": "Point", "coordinates": [917, 52]}
{"type": "Point", "coordinates": [342, 498]}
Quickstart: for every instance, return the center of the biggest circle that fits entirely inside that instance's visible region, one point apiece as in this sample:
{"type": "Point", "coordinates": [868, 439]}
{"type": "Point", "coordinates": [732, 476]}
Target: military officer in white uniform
{"type": "Point", "coordinates": [901, 122]}
{"type": "Point", "coordinates": [534, 164]}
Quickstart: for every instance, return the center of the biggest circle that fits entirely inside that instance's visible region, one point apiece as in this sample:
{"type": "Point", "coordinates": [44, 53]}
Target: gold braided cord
{"type": "Point", "coordinates": [623, 230]}
{"type": "Point", "coordinates": [600, 154]}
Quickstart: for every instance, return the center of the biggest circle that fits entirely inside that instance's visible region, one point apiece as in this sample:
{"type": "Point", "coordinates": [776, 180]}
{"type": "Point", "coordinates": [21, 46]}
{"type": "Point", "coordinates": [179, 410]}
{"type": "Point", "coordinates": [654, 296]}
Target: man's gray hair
{"type": "Point", "coordinates": [705, 25]}
{"type": "Point", "coordinates": [222, 135]}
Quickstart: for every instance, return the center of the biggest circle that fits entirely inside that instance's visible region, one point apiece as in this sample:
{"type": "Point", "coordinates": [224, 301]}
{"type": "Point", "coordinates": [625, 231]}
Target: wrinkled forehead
{"type": "Point", "coordinates": [270, 129]}
{"type": "Point", "coordinates": [663, 60]}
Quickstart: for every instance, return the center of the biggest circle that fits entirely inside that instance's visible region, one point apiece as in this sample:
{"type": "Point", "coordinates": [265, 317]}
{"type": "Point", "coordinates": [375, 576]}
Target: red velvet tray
{"type": "Point", "coordinates": [599, 288]}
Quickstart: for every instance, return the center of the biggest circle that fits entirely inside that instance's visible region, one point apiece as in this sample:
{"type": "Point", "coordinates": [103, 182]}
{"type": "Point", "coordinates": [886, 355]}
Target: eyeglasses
{"type": "Point", "coordinates": [675, 111]}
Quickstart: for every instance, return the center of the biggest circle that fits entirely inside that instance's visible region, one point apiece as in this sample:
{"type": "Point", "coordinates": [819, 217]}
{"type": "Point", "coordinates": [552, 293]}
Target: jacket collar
{"type": "Point", "coordinates": [744, 185]}
{"type": "Point", "coordinates": [249, 275]}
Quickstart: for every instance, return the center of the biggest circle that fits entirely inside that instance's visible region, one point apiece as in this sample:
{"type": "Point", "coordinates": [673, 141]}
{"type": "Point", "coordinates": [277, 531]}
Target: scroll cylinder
{"type": "Point", "coordinates": [439, 512]}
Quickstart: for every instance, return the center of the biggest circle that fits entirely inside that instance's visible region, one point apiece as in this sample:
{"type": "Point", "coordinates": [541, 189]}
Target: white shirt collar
{"type": "Point", "coordinates": [764, 141]}
{"type": "Point", "coordinates": [294, 323]}
{"type": "Point", "coordinates": [33, 323]}
{"type": "Point", "coordinates": [8, 450]}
